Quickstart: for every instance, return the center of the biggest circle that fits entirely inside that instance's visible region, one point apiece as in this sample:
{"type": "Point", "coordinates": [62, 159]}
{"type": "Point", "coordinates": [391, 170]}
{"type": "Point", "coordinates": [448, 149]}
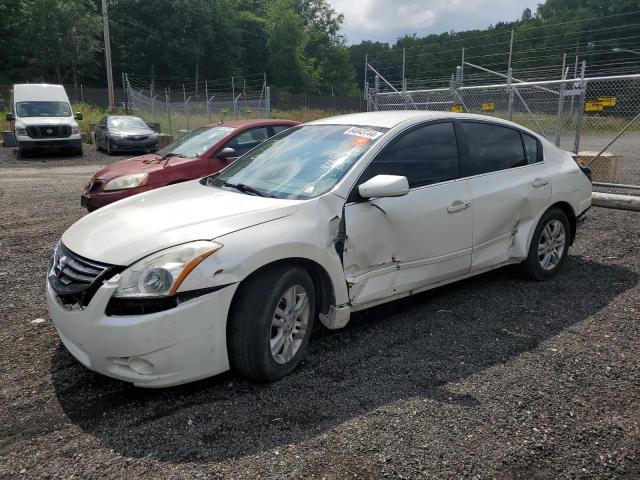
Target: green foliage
{"type": "Point", "coordinates": [47, 39]}
{"type": "Point", "coordinates": [298, 43]}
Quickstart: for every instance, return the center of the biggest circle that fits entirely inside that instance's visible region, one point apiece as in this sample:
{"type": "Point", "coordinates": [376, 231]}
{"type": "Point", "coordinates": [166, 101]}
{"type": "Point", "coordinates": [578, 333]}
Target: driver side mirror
{"type": "Point", "coordinates": [9, 117]}
{"type": "Point", "coordinates": [78, 116]}
{"type": "Point", "coordinates": [227, 152]}
{"type": "Point", "coordinates": [382, 186]}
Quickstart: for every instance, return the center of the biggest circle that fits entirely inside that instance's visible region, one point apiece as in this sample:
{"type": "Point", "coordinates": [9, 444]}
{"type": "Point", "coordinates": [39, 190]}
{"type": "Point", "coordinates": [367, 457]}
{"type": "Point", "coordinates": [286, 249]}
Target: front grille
{"type": "Point", "coordinates": [76, 279]}
{"type": "Point", "coordinates": [49, 131]}
{"type": "Point", "coordinates": [138, 137]}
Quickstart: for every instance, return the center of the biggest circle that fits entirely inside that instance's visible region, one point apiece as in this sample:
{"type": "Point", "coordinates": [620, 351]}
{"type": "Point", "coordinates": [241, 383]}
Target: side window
{"type": "Point", "coordinates": [280, 128]}
{"type": "Point", "coordinates": [493, 148]}
{"type": "Point", "coordinates": [248, 140]}
{"type": "Point", "coordinates": [531, 149]}
{"type": "Point", "coordinates": [424, 155]}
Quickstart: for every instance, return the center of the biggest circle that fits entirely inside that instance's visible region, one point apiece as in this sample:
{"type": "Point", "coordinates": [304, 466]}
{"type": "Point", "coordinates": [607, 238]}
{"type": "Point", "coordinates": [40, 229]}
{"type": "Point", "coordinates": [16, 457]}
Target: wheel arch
{"type": "Point", "coordinates": [325, 294]}
{"type": "Point", "coordinates": [567, 209]}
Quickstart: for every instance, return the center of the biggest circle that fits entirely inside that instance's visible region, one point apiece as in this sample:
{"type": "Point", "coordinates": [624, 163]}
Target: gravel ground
{"type": "Point", "coordinates": [494, 377]}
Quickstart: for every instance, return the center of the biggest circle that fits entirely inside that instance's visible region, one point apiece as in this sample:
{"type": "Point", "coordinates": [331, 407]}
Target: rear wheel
{"type": "Point", "coordinates": [270, 323]}
{"type": "Point", "coordinates": [549, 246]}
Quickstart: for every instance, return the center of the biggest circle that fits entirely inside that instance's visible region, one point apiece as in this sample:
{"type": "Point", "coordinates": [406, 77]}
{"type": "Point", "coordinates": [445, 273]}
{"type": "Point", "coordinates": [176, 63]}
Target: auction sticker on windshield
{"type": "Point", "coordinates": [363, 132]}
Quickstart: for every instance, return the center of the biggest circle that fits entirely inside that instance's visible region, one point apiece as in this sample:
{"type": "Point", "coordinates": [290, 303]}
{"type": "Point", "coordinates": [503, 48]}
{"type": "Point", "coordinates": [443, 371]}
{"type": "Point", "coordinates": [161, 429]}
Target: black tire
{"type": "Point", "coordinates": [79, 152]}
{"type": "Point", "coordinates": [533, 265]}
{"type": "Point", "coordinates": [107, 143]}
{"type": "Point", "coordinates": [250, 330]}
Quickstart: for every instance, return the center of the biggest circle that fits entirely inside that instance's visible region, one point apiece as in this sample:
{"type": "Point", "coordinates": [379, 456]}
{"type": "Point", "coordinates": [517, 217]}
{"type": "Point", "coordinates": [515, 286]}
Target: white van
{"type": "Point", "coordinates": [42, 118]}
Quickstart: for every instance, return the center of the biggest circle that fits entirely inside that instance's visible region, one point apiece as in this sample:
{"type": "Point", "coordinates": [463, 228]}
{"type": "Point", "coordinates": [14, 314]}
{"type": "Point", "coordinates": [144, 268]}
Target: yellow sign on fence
{"type": "Point", "coordinates": [457, 108]}
{"type": "Point", "coordinates": [225, 109]}
{"type": "Point", "coordinates": [608, 101]}
{"type": "Point", "coordinates": [248, 110]}
{"type": "Point", "coordinates": [593, 107]}
{"type": "Point", "coordinates": [488, 106]}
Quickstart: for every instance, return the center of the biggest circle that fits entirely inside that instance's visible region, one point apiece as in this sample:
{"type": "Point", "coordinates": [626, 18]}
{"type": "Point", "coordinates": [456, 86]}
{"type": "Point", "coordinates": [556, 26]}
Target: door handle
{"type": "Point", "coordinates": [540, 182]}
{"type": "Point", "coordinates": [458, 206]}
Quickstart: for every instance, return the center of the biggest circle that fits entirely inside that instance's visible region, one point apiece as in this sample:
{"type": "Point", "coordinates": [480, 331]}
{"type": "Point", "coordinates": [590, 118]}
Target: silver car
{"type": "Point", "coordinates": [124, 133]}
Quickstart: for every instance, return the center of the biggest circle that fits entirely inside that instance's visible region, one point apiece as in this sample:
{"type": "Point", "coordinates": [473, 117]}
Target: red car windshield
{"type": "Point", "coordinates": [197, 142]}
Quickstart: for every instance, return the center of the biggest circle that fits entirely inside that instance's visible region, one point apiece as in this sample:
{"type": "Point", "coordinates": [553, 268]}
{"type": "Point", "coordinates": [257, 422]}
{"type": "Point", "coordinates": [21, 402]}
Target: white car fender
{"type": "Point", "coordinates": [245, 251]}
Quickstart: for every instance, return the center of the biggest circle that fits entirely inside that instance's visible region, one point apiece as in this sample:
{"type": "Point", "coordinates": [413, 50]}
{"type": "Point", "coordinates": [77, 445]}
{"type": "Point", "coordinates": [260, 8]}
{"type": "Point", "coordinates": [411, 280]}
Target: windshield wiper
{"type": "Point", "coordinates": [241, 187]}
{"type": "Point", "coordinates": [167, 156]}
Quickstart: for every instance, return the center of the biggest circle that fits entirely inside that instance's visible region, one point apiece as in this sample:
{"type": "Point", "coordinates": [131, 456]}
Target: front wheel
{"type": "Point", "coordinates": [270, 323]}
{"type": "Point", "coordinates": [549, 246]}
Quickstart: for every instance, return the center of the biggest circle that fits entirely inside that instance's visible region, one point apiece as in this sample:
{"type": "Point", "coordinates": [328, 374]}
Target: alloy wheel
{"type": "Point", "coordinates": [551, 245]}
{"type": "Point", "coordinates": [289, 324]}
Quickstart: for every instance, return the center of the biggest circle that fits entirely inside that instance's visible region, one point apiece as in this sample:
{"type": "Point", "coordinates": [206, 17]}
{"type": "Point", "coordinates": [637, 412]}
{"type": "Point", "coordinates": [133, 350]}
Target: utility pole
{"type": "Point", "coordinates": [107, 54]}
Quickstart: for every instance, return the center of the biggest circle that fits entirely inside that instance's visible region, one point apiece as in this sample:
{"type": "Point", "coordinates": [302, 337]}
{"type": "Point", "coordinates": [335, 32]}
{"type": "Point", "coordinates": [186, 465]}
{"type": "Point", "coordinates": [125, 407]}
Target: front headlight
{"type": "Point", "coordinates": [75, 129]}
{"type": "Point", "coordinates": [22, 131]}
{"type": "Point", "coordinates": [161, 274]}
{"type": "Point", "coordinates": [117, 137]}
{"type": "Point", "coordinates": [127, 181]}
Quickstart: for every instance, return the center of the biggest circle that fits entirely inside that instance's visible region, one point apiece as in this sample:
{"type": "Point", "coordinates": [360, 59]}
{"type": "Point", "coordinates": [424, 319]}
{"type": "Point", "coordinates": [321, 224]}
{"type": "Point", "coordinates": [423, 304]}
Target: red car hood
{"type": "Point", "coordinates": [142, 164]}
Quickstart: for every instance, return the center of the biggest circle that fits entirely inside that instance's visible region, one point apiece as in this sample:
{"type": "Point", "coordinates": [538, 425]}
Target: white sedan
{"type": "Point", "coordinates": [325, 219]}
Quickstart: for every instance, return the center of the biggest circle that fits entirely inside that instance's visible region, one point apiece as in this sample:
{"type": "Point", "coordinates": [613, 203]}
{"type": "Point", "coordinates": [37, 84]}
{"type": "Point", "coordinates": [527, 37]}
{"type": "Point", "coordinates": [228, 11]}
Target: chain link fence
{"type": "Point", "coordinates": [178, 110]}
{"type": "Point", "coordinates": [594, 118]}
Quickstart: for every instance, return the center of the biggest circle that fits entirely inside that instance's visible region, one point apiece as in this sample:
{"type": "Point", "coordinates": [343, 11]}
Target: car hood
{"type": "Point", "coordinates": [142, 164]}
{"type": "Point", "coordinates": [28, 121]}
{"type": "Point", "coordinates": [131, 131]}
{"type": "Point", "coordinates": [128, 230]}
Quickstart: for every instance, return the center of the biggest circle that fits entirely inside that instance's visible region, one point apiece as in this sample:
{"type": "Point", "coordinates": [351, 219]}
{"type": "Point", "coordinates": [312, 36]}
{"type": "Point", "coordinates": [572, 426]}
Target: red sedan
{"type": "Point", "coordinates": [201, 152]}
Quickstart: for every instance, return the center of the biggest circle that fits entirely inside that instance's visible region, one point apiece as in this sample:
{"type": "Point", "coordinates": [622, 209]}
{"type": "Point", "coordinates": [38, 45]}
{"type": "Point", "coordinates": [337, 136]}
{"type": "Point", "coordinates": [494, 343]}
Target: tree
{"type": "Point", "coordinates": [286, 44]}
{"type": "Point", "coordinates": [50, 39]}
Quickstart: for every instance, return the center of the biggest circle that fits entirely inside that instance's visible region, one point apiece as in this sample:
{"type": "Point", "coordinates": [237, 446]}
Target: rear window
{"type": "Point", "coordinates": [493, 148]}
{"type": "Point", "coordinates": [532, 149]}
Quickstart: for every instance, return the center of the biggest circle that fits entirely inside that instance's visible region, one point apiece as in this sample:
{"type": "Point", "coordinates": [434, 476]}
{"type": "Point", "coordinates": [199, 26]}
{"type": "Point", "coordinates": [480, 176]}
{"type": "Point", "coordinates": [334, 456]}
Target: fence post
{"type": "Point", "coordinates": [376, 90]}
{"type": "Point", "coordinates": [233, 94]}
{"type": "Point", "coordinates": [168, 98]}
{"type": "Point", "coordinates": [365, 86]}
{"type": "Point", "coordinates": [462, 68]}
{"type": "Point", "coordinates": [268, 102]}
{"type": "Point", "coordinates": [206, 95]}
{"type": "Point", "coordinates": [81, 94]}
{"type": "Point", "coordinates": [561, 101]}
{"type": "Point", "coordinates": [509, 79]}
{"type": "Point", "coordinates": [580, 106]}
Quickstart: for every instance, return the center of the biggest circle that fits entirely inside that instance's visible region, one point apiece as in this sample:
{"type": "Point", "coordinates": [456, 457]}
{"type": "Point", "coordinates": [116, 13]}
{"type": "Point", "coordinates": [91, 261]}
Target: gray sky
{"type": "Point", "coordinates": [386, 20]}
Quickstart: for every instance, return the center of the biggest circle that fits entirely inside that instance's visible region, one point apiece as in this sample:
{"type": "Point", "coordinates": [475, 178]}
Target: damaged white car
{"type": "Point", "coordinates": [326, 218]}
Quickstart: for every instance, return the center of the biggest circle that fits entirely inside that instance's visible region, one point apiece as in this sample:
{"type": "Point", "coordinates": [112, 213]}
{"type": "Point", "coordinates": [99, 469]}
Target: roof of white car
{"type": "Point", "coordinates": [390, 119]}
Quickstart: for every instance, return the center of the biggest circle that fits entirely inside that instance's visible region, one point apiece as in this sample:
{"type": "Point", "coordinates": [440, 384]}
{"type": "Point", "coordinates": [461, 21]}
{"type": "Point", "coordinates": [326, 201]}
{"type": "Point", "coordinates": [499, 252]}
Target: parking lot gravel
{"type": "Point", "coordinates": [493, 377]}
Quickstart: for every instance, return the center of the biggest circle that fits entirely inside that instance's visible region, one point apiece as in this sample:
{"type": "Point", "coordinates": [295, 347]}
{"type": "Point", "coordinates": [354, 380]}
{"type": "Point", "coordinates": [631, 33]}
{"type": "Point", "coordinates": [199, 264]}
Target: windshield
{"type": "Point", "coordinates": [197, 142]}
{"type": "Point", "coordinates": [127, 122]}
{"type": "Point", "coordinates": [43, 109]}
{"type": "Point", "coordinates": [300, 163]}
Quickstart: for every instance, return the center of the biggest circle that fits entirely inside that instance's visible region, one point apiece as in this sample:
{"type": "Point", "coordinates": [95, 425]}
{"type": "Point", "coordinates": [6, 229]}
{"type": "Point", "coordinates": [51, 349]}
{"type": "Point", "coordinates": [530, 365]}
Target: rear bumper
{"type": "Point", "coordinates": [51, 144]}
